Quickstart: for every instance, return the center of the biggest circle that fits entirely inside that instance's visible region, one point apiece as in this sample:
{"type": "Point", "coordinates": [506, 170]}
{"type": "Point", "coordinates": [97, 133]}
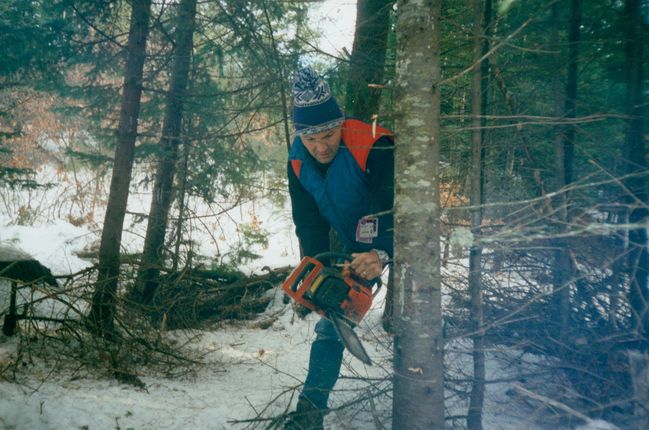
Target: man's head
{"type": "Point", "coordinates": [316, 115]}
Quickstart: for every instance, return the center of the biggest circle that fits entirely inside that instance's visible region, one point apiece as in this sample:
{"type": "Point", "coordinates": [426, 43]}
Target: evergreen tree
{"type": "Point", "coordinates": [153, 254]}
{"type": "Point", "coordinates": [104, 297]}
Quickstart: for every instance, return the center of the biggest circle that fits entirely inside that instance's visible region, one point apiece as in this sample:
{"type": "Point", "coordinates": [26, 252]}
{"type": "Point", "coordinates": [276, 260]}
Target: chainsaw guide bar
{"type": "Point", "coordinates": [349, 338]}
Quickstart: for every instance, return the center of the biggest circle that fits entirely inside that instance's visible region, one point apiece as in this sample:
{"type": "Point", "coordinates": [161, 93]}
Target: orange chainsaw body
{"type": "Point", "coordinates": [325, 290]}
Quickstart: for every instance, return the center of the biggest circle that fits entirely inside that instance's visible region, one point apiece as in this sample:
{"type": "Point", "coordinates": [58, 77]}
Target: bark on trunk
{"type": "Point", "coordinates": [638, 260]}
{"type": "Point", "coordinates": [474, 416]}
{"type": "Point", "coordinates": [182, 193]}
{"type": "Point", "coordinates": [564, 156]}
{"type": "Point", "coordinates": [367, 64]}
{"type": "Point", "coordinates": [153, 253]}
{"type": "Point", "coordinates": [281, 76]}
{"type": "Point", "coordinates": [571, 87]}
{"type": "Point", "coordinates": [418, 345]}
{"type": "Point", "coordinates": [103, 301]}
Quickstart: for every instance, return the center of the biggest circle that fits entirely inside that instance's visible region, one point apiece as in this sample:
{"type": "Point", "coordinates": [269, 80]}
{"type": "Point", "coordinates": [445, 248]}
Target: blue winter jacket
{"type": "Point", "coordinates": [342, 193]}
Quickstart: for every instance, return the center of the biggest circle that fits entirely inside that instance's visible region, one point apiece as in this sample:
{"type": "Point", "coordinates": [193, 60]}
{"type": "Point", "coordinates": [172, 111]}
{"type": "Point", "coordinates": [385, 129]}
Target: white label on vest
{"type": "Point", "coordinates": [367, 229]}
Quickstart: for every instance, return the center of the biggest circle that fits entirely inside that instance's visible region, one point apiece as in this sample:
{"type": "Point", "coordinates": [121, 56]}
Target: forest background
{"type": "Point", "coordinates": [541, 170]}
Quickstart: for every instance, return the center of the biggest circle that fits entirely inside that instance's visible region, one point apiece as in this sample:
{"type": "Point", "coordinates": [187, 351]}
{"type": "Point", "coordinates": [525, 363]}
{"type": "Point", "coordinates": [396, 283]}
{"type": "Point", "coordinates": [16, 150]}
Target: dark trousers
{"type": "Point", "coordinates": [324, 364]}
{"type": "Point", "coordinates": [327, 355]}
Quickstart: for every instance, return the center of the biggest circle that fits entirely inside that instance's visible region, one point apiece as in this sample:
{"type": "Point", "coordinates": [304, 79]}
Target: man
{"type": "Point", "coordinates": [340, 175]}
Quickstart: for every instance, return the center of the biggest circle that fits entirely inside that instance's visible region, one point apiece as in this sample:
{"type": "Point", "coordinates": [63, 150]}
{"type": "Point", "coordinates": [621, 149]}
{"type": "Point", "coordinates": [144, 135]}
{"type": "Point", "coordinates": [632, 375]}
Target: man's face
{"type": "Point", "coordinates": [323, 146]}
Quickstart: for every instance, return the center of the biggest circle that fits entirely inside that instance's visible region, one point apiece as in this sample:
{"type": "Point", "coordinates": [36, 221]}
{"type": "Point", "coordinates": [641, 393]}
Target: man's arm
{"type": "Point", "coordinates": [311, 228]}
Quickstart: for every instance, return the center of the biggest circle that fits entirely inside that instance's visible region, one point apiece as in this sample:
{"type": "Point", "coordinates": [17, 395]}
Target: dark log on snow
{"type": "Point", "coordinates": [18, 267]}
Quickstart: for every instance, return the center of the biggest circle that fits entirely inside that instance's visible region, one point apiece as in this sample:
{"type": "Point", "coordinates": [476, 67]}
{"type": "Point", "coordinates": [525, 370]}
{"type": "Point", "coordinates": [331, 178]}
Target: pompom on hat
{"type": "Point", "coordinates": [314, 108]}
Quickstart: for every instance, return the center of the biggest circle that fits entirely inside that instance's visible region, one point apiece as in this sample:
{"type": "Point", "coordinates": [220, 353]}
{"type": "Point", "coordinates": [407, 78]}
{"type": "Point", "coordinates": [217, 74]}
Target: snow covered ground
{"type": "Point", "coordinates": [246, 372]}
{"type": "Point", "coordinates": [244, 369]}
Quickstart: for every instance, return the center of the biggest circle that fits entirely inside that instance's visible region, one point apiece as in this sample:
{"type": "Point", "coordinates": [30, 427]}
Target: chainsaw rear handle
{"type": "Point", "coordinates": [306, 271]}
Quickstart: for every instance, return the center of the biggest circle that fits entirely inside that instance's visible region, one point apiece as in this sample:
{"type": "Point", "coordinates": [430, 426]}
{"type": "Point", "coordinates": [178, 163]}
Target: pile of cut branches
{"type": "Point", "coordinates": [195, 297]}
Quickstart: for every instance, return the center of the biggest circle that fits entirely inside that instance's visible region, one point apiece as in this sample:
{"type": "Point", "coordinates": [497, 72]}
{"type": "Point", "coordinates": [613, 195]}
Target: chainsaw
{"type": "Point", "coordinates": [341, 296]}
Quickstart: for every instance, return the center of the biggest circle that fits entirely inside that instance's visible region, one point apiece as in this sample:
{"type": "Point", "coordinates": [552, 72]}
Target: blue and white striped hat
{"type": "Point", "coordinates": [314, 107]}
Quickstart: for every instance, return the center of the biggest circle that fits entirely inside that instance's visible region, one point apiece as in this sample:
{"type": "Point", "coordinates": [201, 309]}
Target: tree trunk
{"type": "Point", "coordinates": [418, 345]}
{"type": "Point", "coordinates": [559, 150]}
{"type": "Point", "coordinates": [367, 62]}
{"type": "Point", "coordinates": [486, 74]}
{"type": "Point", "coordinates": [571, 88]}
{"type": "Point", "coordinates": [564, 156]}
{"type": "Point", "coordinates": [562, 273]}
{"type": "Point", "coordinates": [474, 417]}
{"type": "Point", "coordinates": [153, 253]}
{"type": "Point", "coordinates": [103, 301]}
{"type": "Point", "coordinates": [281, 76]}
{"type": "Point", "coordinates": [182, 193]}
{"type": "Point", "coordinates": [638, 260]}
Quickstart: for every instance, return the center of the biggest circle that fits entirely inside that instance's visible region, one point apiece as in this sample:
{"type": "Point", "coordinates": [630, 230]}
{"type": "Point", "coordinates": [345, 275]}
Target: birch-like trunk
{"type": "Point", "coordinates": [418, 344]}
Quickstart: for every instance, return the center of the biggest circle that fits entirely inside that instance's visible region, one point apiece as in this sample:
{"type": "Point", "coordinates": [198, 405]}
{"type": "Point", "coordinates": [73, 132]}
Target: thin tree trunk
{"type": "Point", "coordinates": [564, 160]}
{"type": "Point", "coordinates": [559, 150]}
{"type": "Point", "coordinates": [367, 64]}
{"type": "Point", "coordinates": [182, 193]}
{"type": "Point", "coordinates": [418, 344]}
{"type": "Point", "coordinates": [571, 87]}
{"type": "Point", "coordinates": [486, 74]}
{"type": "Point", "coordinates": [281, 75]}
{"type": "Point", "coordinates": [103, 301]}
{"type": "Point", "coordinates": [638, 260]}
{"type": "Point", "coordinates": [153, 253]}
{"type": "Point", "coordinates": [562, 273]}
{"type": "Point", "coordinates": [474, 417]}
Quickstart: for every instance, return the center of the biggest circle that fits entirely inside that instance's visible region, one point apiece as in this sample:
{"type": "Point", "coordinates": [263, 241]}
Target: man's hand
{"type": "Point", "coordinates": [367, 265]}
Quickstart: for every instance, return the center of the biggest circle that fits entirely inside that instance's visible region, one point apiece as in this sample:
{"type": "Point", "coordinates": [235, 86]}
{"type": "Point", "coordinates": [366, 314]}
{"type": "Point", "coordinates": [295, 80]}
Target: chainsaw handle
{"type": "Point", "coordinates": [331, 254]}
{"type": "Point", "coordinates": [306, 271]}
{"type": "Point", "coordinates": [348, 257]}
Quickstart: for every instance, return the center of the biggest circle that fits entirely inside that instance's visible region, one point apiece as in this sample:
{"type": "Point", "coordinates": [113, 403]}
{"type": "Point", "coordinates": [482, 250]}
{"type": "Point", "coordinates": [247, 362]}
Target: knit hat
{"type": "Point", "coordinates": [314, 108]}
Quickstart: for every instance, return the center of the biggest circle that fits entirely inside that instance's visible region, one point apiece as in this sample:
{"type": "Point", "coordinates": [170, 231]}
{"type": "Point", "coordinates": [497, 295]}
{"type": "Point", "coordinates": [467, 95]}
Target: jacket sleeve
{"type": "Point", "coordinates": [311, 228]}
{"type": "Point", "coordinates": [380, 175]}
